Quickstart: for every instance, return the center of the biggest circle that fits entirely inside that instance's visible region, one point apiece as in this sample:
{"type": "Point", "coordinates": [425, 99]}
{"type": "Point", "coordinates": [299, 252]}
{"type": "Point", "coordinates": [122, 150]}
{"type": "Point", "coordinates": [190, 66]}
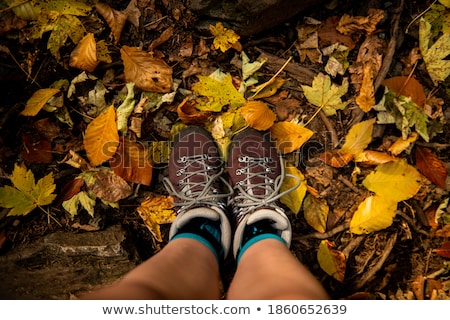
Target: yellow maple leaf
{"type": "Point", "coordinates": [101, 138]}
{"type": "Point", "coordinates": [26, 194]}
{"type": "Point", "coordinates": [373, 214]}
{"type": "Point", "coordinates": [155, 211]}
{"type": "Point", "coordinates": [224, 38]}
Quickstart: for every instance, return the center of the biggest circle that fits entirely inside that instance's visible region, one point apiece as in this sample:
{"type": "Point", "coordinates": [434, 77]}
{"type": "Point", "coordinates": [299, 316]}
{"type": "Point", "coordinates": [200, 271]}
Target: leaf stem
{"type": "Point", "coordinates": [421, 14]}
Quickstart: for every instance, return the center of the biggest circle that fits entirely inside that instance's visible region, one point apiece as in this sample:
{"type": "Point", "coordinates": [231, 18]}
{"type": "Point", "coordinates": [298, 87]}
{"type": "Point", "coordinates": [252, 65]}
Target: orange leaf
{"type": "Point", "coordinates": [431, 166]}
{"type": "Point", "coordinates": [373, 158]}
{"type": "Point", "coordinates": [101, 138]}
{"type": "Point", "coordinates": [109, 187]}
{"type": "Point", "coordinates": [84, 56]}
{"type": "Point", "coordinates": [258, 115]}
{"type": "Point", "coordinates": [148, 73]}
{"type": "Point", "coordinates": [336, 158]}
{"type": "Point", "coordinates": [289, 136]}
{"type": "Point", "coordinates": [132, 162]}
{"type": "Point", "coordinates": [38, 101]}
{"type": "Point", "coordinates": [188, 114]}
{"type": "Point", "coordinates": [115, 19]}
{"type": "Point", "coordinates": [408, 87]}
{"type": "Point", "coordinates": [366, 96]}
{"type": "Point", "coordinates": [444, 250]}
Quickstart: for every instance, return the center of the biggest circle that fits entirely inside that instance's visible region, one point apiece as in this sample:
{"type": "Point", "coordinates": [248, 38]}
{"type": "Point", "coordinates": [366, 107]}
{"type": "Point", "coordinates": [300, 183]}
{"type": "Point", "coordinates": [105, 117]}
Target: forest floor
{"type": "Point", "coordinates": [406, 260]}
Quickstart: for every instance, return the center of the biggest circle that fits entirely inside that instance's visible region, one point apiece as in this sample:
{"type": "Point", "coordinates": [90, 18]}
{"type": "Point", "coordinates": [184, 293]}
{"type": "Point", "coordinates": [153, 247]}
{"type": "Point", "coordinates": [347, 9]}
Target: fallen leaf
{"type": "Point", "coordinates": [81, 198]}
{"type": "Point", "coordinates": [36, 152]}
{"type": "Point", "coordinates": [408, 87]}
{"type": "Point", "coordinates": [224, 38]}
{"type": "Point", "coordinates": [125, 109]}
{"type": "Point", "coordinates": [108, 186]}
{"type": "Point", "coordinates": [188, 114]}
{"type": "Point", "coordinates": [444, 250]}
{"type": "Point", "coordinates": [294, 199]}
{"type": "Point", "coordinates": [328, 35]}
{"type": "Point", "coordinates": [115, 19]}
{"type": "Point", "coordinates": [132, 162]}
{"type": "Point", "coordinates": [164, 37]}
{"type": "Point", "coordinates": [431, 166]}
{"type": "Point", "coordinates": [315, 211]}
{"type": "Point", "coordinates": [401, 144]}
{"type": "Point", "coordinates": [289, 136]}
{"type": "Point", "coordinates": [26, 194]}
{"type": "Point", "coordinates": [148, 73]}
{"type": "Point", "coordinates": [434, 56]}
{"type": "Point", "coordinates": [38, 101]}
{"type": "Point", "coordinates": [84, 56]}
{"type": "Point", "coordinates": [258, 115]}
{"type": "Point", "coordinates": [442, 215]}
{"type": "Point", "coordinates": [444, 232]}
{"type": "Point", "coordinates": [445, 3]}
{"type": "Point", "coordinates": [217, 93]}
{"type": "Point", "coordinates": [366, 96]}
{"type": "Point", "coordinates": [373, 214]}
{"type": "Point", "coordinates": [358, 137]}
{"type": "Point", "coordinates": [159, 151]}
{"type": "Point", "coordinates": [373, 158]}
{"type": "Point", "coordinates": [155, 211]}
{"type": "Point", "coordinates": [355, 24]}
{"type": "Point", "coordinates": [69, 190]}
{"type": "Point", "coordinates": [395, 180]}
{"type": "Point", "coordinates": [331, 261]}
{"type": "Point", "coordinates": [325, 94]}
{"type": "Point", "coordinates": [418, 287]}
{"type": "Point", "coordinates": [101, 137]}
{"type": "Point", "coordinates": [336, 158]}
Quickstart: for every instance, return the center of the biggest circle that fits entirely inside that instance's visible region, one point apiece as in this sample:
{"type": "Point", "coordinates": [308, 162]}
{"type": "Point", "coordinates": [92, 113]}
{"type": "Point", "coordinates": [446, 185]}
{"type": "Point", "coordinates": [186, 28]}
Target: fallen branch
{"type": "Point", "coordinates": [371, 273]}
{"type": "Point", "coordinates": [324, 235]}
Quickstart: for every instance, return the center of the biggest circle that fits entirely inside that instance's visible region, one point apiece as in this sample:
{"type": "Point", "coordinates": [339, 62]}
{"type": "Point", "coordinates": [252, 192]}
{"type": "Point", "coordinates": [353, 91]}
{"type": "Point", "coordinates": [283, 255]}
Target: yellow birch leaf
{"type": "Point", "coordinates": [445, 3]}
{"type": "Point", "coordinates": [101, 138]}
{"type": "Point", "coordinates": [148, 73]}
{"type": "Point", "coordinates": [373, 214]}
{"type": "Point", "coordinates": [395, 180]}
{"type": "Point", "coordinates": [38, 101]}
{"type": "Point", "coordinates": [358, 137]}
{"type": "Point", "coordinates": [156, 211]}
{"type": "Point", "coordinates": [331, 261]}
{"type": "Point", "coordinates": [294, 199]}
{"type": "Point", "coordinates": [84, 56]}
{"type": "Point", "coordinates": [316, 212]}
{"type": "Point", "coordinates": [289, 136]}
{"type": "Point", "coordinates": [258, 115]}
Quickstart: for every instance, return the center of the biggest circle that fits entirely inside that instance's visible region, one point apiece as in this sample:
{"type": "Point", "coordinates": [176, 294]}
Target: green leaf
{"type": "Point", "coordinates": [26, 194]}
{"type": "Point", "coordinates": [326, 95]}
{"type": "Point", "coordinates": [217, 93]}
{"type": "Point", "coordinates": [249, 68]}
{"type": "Point", "coordinates": [81, 198]}
{"type": "Point", "coordinates": [124, 111]}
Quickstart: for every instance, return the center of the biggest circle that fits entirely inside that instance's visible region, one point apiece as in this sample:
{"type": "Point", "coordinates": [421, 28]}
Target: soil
{"type": "Point", "coordinates": [388, 264]}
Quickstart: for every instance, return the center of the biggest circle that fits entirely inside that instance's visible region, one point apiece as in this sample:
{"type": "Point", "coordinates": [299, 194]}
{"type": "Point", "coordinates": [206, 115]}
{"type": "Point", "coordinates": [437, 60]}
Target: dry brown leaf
{"type": "Point", "coordinates": [258, 115]}
{"type": "Point", "coordinates": [356, 24]}
{"type": "Point", "coordinates": [444, 232]}
{"type": "Point", "coordinates": [101, 138]}
{"type": "Point", "coordinates": [109, 186]}
{"type": "Point", "coordinates": [115, 19]}
{"type": "Point", "coordinates": [431, 166]}
{"type": "Point", "coordinates": [70, 189]}
{"type": "Point", "coordinates": [148, 73]}
{"type": "Point", "coordinates": [328, 35]}
{"type": "Point", "coordinates": [408, 87]}
{"type": "Point", "coordinates": [188, 114]}
{"type": "Point", "coordinates": [444, 250]}
{"type": "Point", "coordinates": [336, 158]}
{"type": "Point", "coordinates": [84, 56]}
{"type": "Point", "coordinates": [36, 151]}
{"type": "Point", "coordinates": [366, 96]}
{"type": "Point", "coordinates": [187, 47]}
{"type": "Point", "coordinates": [132, 162]}
{"type": "Point", "coordinates": [289, 136]}
{"type": "Point", "coordinates": [164, 37]}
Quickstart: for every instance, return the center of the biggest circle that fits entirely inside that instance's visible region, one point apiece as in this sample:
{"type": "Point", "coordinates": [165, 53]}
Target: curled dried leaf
{"type": "Point", "coordinates": [84, 56]}
{"type": "Point", "coordinates": [258, 115]}
{"type": "Point", "coordinates": [148, 73]}
{"type": "Point", "coordinates": [115, 19]}
{"type": "Point", "coordinates": [355, 24]}
{"type": "Point", "coordinates": [188, 114]}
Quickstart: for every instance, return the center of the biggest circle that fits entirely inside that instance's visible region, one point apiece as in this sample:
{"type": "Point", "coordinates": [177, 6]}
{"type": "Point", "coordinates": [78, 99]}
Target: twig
{"type": "Point", "coordinates": [370, 273]}
{"type": "Point", "coordinates": [330, 128]}
{"type": "Point", "coordinates": [411, 223]}
{"type": "Point", "coordinates": [353, 244]}
{"type": "Point", "coordinates": [325, 235]}
{"type": "Point", "coordinates": [345, 181]}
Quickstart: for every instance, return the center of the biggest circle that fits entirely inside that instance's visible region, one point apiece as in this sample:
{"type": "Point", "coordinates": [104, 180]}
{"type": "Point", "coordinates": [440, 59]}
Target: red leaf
{"type": "Point", "coordinates": [431, 166]}
{"type": "Point", "coordinates": [444, 250]}
{"type": "Point", "coordinates": [70, 189]}
{"type": "Point", "coordinates": [36, 152]}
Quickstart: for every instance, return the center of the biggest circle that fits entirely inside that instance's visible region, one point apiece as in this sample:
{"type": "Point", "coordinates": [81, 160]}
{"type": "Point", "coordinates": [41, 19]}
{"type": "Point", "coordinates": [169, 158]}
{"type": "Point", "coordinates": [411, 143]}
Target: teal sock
{"type": "Point", "coordinates": [256, 232]}
{"type": "Point", "coordinates": [205, 231]}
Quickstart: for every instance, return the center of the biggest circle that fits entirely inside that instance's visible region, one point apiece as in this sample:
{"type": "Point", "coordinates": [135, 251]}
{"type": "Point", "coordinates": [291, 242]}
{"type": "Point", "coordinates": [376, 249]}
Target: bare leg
{"type": "Point", "coordinates": [184, 269]}
{"type": "Point", "coordinates": [267, 270]}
